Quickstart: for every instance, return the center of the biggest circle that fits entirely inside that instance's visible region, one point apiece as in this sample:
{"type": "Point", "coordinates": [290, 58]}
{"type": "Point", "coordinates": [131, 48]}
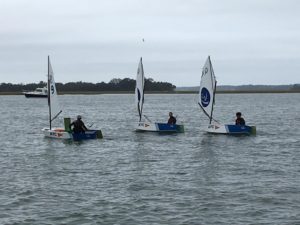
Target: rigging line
{"type": "Point", "coordinates": [211, 118]}
{"type": "Point", "coordinates": [204, 110]}
{"type": "Point", "coordinates": [56, 115]}
{"type": "Point", "coordinates": [147, 119]}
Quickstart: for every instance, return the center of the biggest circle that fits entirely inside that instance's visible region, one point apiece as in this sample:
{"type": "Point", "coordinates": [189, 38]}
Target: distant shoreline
{"type": "Point", "coordinates": [158, 92]}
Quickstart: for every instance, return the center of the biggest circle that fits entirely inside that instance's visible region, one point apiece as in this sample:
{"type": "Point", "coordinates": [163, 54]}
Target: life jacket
{"type": "Point", "coordinates": [240, 121]}
{"type": "Point", "coordinates": [172, 120]}
{"type": "Point", "coordinates": [78, 126]}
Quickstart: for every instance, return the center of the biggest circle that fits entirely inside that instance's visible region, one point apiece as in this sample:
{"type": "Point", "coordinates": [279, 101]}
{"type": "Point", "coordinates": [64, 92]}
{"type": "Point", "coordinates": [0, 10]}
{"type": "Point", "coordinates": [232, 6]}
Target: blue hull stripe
{"type": "Point", "coordinates": [90, 134]}
{"type": "Point", "coordinates": [164, 127]}
{"type": "Point", "coordinates": [237, 129]}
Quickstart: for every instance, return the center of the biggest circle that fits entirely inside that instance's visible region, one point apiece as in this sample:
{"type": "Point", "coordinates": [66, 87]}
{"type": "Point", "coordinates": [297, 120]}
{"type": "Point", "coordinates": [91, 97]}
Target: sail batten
{"type": "Point", "coordinates": [139, 89]}
{"type": "Point", "coordinates": [207, 89]}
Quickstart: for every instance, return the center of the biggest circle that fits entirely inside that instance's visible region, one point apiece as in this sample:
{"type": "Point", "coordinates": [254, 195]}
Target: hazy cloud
{"type": "Point", "coordinates": [249, 41]}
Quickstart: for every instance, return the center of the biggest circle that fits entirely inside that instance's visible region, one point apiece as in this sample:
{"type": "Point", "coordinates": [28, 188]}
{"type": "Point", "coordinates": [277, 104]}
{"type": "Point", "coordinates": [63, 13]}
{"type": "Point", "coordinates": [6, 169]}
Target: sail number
{"type": "Point", "coordinates": [52, 89]}
{"type": "Point", "coordinates": [204, 71]}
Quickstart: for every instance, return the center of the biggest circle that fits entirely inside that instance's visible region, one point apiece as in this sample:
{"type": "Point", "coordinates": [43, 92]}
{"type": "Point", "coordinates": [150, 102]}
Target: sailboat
{"type": "Point", "coordinates": [55, 110]}
{"type": "Point", "coordinates": [207, 95]}
{"type": "Point", "coordinates": [139, 101]}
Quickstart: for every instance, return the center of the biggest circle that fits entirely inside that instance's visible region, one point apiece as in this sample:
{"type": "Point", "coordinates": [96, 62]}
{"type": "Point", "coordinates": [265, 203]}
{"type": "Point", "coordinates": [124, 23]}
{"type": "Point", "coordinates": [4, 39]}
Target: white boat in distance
{"type": "Point", "coordinates": [139, 101]}
{"type": "Point", "coordinates": [207, 94]}
{"type": "Point", "coordinates": [37, 93]}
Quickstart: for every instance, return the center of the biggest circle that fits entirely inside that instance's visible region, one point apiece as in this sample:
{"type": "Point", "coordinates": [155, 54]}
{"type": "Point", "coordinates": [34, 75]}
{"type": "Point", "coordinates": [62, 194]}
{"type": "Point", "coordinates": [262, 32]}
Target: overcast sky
{"type": "Point", "coordinates": [249, 41]}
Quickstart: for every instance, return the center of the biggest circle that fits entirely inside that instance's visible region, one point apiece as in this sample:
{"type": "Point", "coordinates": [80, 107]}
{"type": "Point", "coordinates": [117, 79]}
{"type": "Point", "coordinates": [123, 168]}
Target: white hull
{"type": "Point", "coordinates": [217, 129]}
{"type": "Point", "coordinates": [142, 126]}
{"type": "Point", "coordinates": [58, 133]}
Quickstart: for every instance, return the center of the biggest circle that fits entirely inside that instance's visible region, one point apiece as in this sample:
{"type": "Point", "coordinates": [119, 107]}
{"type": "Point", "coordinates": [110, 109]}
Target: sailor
{"type": "Point", "coordinates": [172, 119]}
{"type": "Point", "coordinates": [239, 119]}
{"type": "Point", "coordinates": [79, 126]}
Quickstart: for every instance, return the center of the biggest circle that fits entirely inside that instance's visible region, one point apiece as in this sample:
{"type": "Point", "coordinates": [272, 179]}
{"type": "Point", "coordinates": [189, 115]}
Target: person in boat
{"type": "Point", "coordinates": [78, 125]}
{"type": "Point", "coordinates": [172, 119]}
{"type": "Point", "coordinates": [239, 119]}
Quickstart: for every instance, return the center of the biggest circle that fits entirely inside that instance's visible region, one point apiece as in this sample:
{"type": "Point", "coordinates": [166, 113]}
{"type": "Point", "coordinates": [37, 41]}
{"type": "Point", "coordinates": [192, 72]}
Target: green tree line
{"type": "Point", "coordinates": [115, 85]}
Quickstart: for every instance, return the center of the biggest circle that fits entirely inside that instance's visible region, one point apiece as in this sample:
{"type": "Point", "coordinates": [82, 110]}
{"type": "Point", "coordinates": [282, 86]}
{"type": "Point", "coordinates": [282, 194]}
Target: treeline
{"type": "Point", "coordinates": [260, 88]}
{"type": "Point", "coordinates": [115, 85]}
{"type": "Point", "coordinates": [248, 88]}
{"type": "Point", "coordinates": [296, 87]}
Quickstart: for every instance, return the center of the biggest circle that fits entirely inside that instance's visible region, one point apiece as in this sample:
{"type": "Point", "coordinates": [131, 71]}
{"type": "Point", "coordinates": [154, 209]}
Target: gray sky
{"type": "Point", "coordinates": [249, 41]}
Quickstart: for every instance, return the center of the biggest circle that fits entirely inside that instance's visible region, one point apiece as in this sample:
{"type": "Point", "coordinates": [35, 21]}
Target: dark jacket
{"type": "Point", "coordinates": [172, 120]}
{"type": "Point", "coordinates": [79, 126]}
{"type": "Point", "coordinates": [240, 121]}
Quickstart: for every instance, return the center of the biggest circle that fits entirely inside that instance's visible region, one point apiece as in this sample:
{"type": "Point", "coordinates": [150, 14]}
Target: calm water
{"type": "Point", "coordinates": [146, 178]}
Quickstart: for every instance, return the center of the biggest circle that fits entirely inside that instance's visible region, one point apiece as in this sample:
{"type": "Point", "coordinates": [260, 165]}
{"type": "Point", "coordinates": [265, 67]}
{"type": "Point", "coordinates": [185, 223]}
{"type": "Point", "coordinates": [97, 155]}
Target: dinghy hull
{"type": "Point", "coordinates": [60, 133]}
{"type": "Point", "coordinates": [160, 127]}
{"type": "Point", "coordinates": [57, 133]}
{"type": "Point", "coordinates": [230, 129]}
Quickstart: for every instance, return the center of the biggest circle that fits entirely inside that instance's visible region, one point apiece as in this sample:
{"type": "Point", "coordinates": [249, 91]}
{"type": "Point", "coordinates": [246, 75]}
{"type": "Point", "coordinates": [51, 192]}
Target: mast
{"type": "Point", "coordinates": [48, 92]}
{"type": "Point", "coordinates": [214, 88]}
{"type": "Point", "coordinates": [143, 84]}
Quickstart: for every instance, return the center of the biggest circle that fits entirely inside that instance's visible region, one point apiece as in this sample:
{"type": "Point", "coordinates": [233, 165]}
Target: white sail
{"type": "Point", "coordinates": [54, 108]}
{"type": "Point", "coordinates": [139, 89]}
{"type": "Point", "coordinates": [207, 89]}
